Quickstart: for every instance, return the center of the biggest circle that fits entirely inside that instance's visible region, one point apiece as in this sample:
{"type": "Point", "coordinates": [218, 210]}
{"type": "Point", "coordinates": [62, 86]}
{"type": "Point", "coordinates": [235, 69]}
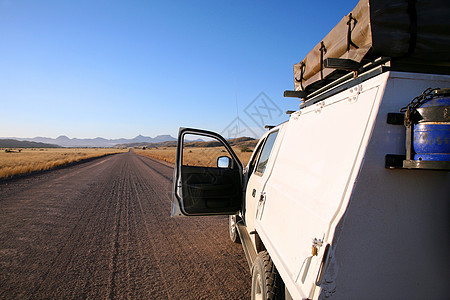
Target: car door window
{"type": "Point", "coordinates": [265, 154]}
{"type": "Point", "coordinates": [200, 151]}
{"type": "Point", "coordinates": [252, 164]}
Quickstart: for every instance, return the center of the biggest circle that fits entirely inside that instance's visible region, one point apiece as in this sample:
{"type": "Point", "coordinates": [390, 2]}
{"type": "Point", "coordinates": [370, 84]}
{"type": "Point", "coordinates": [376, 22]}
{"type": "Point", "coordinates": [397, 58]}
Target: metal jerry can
{"type": "Point", "coordinates": [427, 122]}
{"type": "Point", "coordinates": [432, 128]}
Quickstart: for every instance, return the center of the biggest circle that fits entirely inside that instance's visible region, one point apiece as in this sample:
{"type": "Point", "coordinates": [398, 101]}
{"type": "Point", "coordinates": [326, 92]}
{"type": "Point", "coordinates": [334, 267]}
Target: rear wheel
{"type": "Point", "coordinates": [266, 282]}
{"type": "Point", "coordinates": [232, 229]}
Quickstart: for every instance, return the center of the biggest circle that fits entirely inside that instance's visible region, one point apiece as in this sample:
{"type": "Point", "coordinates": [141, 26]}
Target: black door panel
{"type": "Point", "coordinates": [207, 190]}
{"type": "Point", "coordinates": [210, 190]}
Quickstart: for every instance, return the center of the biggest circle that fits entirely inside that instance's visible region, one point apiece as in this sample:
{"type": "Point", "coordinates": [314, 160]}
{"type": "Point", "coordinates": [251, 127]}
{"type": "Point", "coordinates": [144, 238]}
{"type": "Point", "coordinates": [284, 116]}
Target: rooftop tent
{"type": "Point", "coordinates": [414, 34]}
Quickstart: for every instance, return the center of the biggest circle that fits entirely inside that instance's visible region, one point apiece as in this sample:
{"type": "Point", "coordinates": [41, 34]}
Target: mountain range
{"type": "Point", "coordinates": [247, 142]}
{"type": "Point", "coordinates": [65, 141]}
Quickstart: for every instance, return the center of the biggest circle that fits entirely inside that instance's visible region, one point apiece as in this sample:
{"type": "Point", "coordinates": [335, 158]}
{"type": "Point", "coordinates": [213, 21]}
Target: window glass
{"type": "Point", "coordinates": [265, 154]}
{"type": "Point", "coordinates": [202, 151]}
{"type": "Point", "coordinates": [252, 164]}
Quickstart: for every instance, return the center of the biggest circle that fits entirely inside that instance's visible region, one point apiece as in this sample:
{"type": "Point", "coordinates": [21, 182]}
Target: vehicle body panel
{"type": "Point", "coordinates": [255, 191]}
{"type": "Point", "coordinates": [392, 239]}
{"type": "Point", "coordinates": [311, 176]}
{"type": "Point", "coordinates": [335, 221]}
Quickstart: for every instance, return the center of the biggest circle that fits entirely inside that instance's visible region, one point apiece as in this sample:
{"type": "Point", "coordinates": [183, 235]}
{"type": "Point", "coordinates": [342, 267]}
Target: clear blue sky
{"type": "Point", "coordinates": [122, 68]}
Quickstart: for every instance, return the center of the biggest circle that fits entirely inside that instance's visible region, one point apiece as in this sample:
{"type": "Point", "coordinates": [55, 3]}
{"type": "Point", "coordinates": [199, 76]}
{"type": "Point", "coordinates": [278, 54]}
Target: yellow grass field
{"type": "Point", "coordinates": [194, 156]}
{"type": "Point", "coordinates": [40, 159]}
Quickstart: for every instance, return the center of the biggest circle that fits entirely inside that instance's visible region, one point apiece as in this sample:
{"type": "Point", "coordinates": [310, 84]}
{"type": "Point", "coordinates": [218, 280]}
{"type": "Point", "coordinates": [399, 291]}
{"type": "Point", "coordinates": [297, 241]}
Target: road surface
{"type": "Point", "coordinates": [103, 229]}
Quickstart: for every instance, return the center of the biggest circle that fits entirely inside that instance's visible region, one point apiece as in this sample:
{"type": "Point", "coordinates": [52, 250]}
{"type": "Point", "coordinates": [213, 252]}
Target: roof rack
{"type": "Point", "coordinates": [401, 35]}
{"type": "Point", "coordinates": [348, 75]}
{"type": "Point", "coordinates": [330, 85]}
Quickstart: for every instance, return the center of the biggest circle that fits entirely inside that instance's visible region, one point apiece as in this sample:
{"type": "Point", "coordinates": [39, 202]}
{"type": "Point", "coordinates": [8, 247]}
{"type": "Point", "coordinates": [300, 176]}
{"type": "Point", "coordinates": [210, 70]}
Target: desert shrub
{"type": "Point", "coordinates": [245, 149]}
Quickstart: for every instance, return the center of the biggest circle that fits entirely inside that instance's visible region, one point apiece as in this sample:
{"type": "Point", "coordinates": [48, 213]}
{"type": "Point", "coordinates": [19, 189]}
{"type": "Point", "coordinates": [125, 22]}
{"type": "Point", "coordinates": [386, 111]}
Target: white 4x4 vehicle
{"type": "Point", "coordinates": [343, 200]}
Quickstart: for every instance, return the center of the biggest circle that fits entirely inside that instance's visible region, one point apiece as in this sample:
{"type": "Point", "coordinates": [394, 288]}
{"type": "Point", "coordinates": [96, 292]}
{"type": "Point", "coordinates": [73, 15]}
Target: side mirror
{"type": "Point", "coordinates": [223, 162]}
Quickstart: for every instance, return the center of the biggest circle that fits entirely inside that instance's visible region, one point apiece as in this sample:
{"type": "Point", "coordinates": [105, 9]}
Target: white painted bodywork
{"type": "Point", "coordinates": [326, 180]}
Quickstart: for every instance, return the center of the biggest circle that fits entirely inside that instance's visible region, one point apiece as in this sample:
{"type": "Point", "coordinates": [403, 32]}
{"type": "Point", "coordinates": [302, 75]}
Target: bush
{"type": "Point", "coordinates": [245, 149]}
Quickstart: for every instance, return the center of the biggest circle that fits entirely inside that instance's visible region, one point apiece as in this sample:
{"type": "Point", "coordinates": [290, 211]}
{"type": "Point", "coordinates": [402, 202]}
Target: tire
{"type": "Point", "coordinates": [266, 282]}
{"type": "Point", "coordinates": [232, 229]}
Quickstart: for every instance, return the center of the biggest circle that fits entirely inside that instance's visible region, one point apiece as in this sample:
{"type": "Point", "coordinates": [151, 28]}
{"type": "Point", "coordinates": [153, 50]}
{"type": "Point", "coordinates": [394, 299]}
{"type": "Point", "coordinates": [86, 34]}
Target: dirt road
{"type": "Point", "coordinates": [102, 230]}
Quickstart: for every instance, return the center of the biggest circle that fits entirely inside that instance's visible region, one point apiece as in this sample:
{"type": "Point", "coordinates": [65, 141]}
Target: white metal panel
{"type": "Point", "coordinates": [310, 178]}
{"type": "Point", "coordinates": [257, 182]}
{"type": "Point", "coordinates": [393, 241]}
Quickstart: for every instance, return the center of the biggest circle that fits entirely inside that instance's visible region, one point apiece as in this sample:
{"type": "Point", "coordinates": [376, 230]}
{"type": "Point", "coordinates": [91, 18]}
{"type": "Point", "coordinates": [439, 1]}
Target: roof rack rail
{"type": "Point", "coordinates": [351, 68]}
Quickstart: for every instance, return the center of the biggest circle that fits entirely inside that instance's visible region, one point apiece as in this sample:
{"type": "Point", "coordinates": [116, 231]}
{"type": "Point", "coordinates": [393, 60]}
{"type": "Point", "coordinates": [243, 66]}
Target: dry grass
{"type": "Point", "coordinates": [194, 156]}
{"type": "Point", "coordinates": [162, 153]}
{"type": "Point", "coordinates": [31, 160]}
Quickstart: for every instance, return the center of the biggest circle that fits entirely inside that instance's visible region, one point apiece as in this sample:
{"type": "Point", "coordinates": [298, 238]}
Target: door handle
{"type": "Point", "coordinates": [323, 265]}
{"type": "Point", "coordinates": [263, 197]}
{"type": "Point", "coordinates": [261, 204]}
{"type": "Point", "coordinates": [253, 193]}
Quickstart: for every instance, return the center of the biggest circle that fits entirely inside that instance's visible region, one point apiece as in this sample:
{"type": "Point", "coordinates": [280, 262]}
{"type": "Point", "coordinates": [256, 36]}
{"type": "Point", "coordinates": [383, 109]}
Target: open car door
{"type": "Point", "coordinates": [208, 175]}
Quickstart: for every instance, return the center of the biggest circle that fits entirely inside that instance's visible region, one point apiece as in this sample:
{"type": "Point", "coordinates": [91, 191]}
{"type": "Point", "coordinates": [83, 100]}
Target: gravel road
{"type": "Point", "coordinates": [103, 229]}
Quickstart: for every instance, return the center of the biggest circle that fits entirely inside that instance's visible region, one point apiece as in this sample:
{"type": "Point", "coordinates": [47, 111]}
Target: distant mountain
{"type": "Point", "coordinates": [64, 141]}
{"type": "Point", "coordinates": [238, 142]}
{"type": "Point", "coordinates": [149, 145]}
{"type": "Point", "coordinates": [10, 143]}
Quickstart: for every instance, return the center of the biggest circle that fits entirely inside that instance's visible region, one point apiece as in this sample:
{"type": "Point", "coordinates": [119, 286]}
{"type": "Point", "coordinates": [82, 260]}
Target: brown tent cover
{"type": "Point", "coordinates": [414, 32]}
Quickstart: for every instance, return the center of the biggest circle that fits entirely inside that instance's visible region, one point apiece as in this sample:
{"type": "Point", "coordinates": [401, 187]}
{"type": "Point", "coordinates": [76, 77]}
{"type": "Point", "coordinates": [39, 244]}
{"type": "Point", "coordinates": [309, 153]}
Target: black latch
{"type": "Point", "coordinates": [394, 161]}
{"type": "Point", "coordinates": [342, 64]}
{"type": "Point", "coordinates": [295, 94]}
{"type": "Point", "coordinates": [395, 118]}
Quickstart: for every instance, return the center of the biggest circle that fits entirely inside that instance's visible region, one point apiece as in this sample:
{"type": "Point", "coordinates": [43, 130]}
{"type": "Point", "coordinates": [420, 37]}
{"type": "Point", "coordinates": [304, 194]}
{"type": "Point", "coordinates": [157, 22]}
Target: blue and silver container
{"type": "Point", "coordinates": [432, 128]}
